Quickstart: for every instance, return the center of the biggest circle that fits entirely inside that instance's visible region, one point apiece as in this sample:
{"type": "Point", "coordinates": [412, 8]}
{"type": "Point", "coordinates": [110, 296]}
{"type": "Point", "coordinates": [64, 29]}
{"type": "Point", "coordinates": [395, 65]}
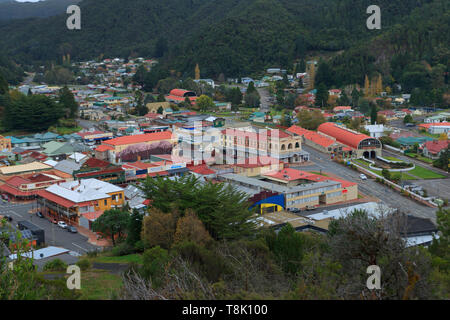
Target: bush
{"type": "Point", "coordinates": [55, 265]}
{"type": "Point", "coordinates": [122, 249]}
{"type": "Point", "coordinates": [84, 264]}
{"type": "Point", "coordinates": [92, 253]}
{"type": "Point", "coordinates": [139, 246]}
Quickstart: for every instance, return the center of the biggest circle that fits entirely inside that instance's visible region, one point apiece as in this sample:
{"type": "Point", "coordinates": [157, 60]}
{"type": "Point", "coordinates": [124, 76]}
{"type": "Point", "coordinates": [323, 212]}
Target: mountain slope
{"type": "Point", "coordinates": [10, 9]}
{"type": "Point", "coordinates": [234, 37]}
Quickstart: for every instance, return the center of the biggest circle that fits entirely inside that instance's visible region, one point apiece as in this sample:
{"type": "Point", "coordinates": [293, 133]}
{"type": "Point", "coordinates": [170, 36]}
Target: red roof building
{"type": "Point", "coordinates": [361, 144]}
{"type": "Point", "coordinates": [433, 149]}
{"type": "Point", "coordinates": [180, 95]}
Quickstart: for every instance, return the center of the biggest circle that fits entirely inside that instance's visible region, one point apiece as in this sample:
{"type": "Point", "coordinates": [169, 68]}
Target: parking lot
{"type": "Point", "coordinates": [369, 187]}
{"type": "Point", "coordinates": [54, 235]}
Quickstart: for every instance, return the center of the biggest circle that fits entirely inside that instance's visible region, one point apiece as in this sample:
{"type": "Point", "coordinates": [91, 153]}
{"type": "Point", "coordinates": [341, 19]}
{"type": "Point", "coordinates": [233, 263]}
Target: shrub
{"type": "Point", "coordinates": [92, 253]}
{"type": "Point", "coordinates": [122, 249]}
{"type": "Point", "coordinates": [55, 265]}
{"type": "Point", "coordinates": [84, 264]}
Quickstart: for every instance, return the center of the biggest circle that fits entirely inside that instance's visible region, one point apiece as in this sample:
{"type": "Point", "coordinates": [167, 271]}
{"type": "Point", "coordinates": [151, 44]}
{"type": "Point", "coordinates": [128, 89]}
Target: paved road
{"type": "Point", "coordinates": [369, 186]}
{"type": "Point", "coordinates": [86, 124]}
{"type": "Point", "coordinates": [54, 235]}
{"type": "Point", "coordinates": [265, 103]}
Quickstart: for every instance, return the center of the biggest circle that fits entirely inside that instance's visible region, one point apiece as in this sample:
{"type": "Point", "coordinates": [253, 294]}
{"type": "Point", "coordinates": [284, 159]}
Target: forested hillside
{"type": "Point", "coordinates": [10, 9]}
{"type": "Point", "coordinates": [239, 37]}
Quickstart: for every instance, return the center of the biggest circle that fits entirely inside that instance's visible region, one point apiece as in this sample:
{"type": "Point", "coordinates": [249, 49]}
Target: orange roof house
{"type": "Point", "coordinates": [361, 144]}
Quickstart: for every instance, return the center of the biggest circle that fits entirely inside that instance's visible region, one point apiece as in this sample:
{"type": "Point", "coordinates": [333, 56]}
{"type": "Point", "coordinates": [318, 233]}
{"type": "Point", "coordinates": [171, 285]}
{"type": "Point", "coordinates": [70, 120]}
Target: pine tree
{"type": "Point", "coordinates": [366, 86]}
{"type": "Point", "coordinates": [197, 72]}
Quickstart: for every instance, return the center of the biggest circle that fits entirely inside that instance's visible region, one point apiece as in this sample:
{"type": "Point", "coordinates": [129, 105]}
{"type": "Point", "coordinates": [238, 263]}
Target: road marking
{"type": "Point", "coordinates": [10, 211]}
{"type": "Point", "coordinates": [80, 247]}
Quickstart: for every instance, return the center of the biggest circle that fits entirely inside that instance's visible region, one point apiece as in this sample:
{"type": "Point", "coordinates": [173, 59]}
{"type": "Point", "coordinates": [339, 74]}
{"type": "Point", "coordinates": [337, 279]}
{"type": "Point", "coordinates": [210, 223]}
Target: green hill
{"type": "Point", "coordinates": [238, 37]}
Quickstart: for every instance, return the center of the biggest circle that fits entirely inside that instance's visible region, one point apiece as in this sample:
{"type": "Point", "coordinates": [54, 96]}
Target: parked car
{"type": "Point", "coordinates": [294, 210]}
{"type": "Point", "coordinates": [54, 221]}
{"type": "Point", "coordinates": [62, 224]}
{"type": "Point", "coordinates": [8, 217]}
{"type": "Point", "coordinates": [39, 214]}
{"type": "Point", "coordinates": [363, 176]}
{"type": "Point", "coordinates": [72, 229]}
{"type": "Point", "coordinates": [309, 208]}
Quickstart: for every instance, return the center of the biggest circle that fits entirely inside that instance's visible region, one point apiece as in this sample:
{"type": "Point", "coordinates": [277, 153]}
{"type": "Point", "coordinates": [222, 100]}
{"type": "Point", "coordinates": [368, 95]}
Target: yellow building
{"type": "Point", "coordinates": [67, 201]}
{"type": "Point", "coordinates": [5, 143]}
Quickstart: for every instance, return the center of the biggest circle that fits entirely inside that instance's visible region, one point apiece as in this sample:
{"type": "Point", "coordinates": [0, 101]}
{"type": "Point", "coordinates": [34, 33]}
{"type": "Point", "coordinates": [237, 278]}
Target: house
{"type": "Point", "coordinates": [257, 166]}
{"type": "Point", "coordinates": [341, 109]}
{"type": "Point", "coordinates": [5, 143]}
{"type": "Point", "coordinates": [335, 92]}
{"type": "Point", "coordinates": [388, 114]}
{"type": "Point", "coordinates": [433, 149]}
{"type": "Point", "coordinates": [68, 201]}
{"type": "Point", "coordinates": [154, 107]}
{"type": "Point", "coordinates": [375, 130]}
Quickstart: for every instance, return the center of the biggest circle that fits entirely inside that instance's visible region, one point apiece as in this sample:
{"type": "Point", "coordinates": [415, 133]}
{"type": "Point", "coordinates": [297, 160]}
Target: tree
{"type": "Point", "coordinates": [443, 160]}
{"type": "Point", "coordinates": [223, 210]}
{"type": "Point", "coordinates": [251, 88]}
{"type": "Point", "coordinates": [310, 120]}
{"type": "Point", "coordinates": [359, 240]}
{"type": "Point", "coordinates": [112, 223]}
{"type": "Point", "coordinates": [324, 75]}
{"type": "Point", "coordinates": [161, 98]}
{"type": "Point", "coordinates": [191, 229]}
{"type": "Point", "coordinates": [30, 113]}
{"type": "Point", "coordinates": [160, 110]}
{"type": "Point", "coordinates": [373, 114]}
{"type": "Point", "coordinates": [355, 97]}
{"type": "Point", "coordinates": [204, 103]}
{"type": "Point", "coordinates": [287, 246]}
{"type": "Point", "coordinates": [160, 47]}
{"type": "Point", "coordinates": [3, 85]}
{"type": "Point", "coordinates": [252, 100]}
{"type": "Point", "coordinates": [154, 263]}
{"type": "Point", "coordinates": [158, 228]}
{"type": "Point", "coordinates": [321, 95]}
{"type": "Point", "coordinates": [234, 95]}
{"type": "Point", "coordinates": [134, 228]}
{"type": "Point", "coordinates": [408, 119]}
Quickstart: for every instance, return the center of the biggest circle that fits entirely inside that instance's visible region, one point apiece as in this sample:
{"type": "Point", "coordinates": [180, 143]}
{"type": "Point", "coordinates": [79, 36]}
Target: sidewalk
{"type": "Point", "coordinates": [93, 238]}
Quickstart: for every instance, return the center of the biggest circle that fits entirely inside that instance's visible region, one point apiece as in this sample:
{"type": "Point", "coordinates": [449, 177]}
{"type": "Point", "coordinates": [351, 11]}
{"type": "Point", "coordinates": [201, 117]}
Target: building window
{"type": "Point", "coordinates": [106, 202]}
{"type": "Point", "coordinates": [289, 146]}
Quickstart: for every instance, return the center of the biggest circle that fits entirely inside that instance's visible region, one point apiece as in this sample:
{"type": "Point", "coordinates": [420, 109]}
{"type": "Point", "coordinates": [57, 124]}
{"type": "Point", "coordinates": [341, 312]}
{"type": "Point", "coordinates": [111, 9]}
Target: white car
{"type": "Point", "coordinates": [363, 176]}
{"type": "Point", "coordinates": [62, 224]}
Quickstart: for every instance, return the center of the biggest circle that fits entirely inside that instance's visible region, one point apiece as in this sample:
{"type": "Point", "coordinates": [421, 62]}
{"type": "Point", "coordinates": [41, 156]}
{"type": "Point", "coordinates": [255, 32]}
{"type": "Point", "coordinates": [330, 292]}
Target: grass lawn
{"type": "Point", "coordinates": [122, 259]}
{"type": "Point", "coordinates": [408, 177]}
{"type": "Point", "coordinates": [99, 284]}
{"type": "Point", "coordinates": [392, 158]}
{"type": "Point", "coordinates": [423, 173]}
{"type": "Point", "coordinates": [361, 162]}
{"type": "Point", "coordinates": [67, 130]}
{"type": "Point", "coordinates": [427, 160]}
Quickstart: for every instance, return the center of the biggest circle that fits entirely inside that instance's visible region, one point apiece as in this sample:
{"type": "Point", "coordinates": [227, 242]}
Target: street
{"type": "Point", "coordinates": [54, 235]}
{"type": "Point", "coordinates": [369, 187]}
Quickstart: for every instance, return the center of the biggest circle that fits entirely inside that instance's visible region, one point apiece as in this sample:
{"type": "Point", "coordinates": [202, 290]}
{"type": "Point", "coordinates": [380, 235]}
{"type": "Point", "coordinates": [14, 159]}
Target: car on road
{"type": "Point", "coordinates": [363, 176]}
{"type": "Point", "coordinates": [71, 229]}
{"type": "Point", "coordinates": [294, 210]}
{"type": "Point", "coordinates": [62, 224]}
{"type": "Point", "coordinates": [39, 214]}
{"type": "Point", "coordinates": [8, 217]}
{"type": "Point", "coordinates": [309, 208]}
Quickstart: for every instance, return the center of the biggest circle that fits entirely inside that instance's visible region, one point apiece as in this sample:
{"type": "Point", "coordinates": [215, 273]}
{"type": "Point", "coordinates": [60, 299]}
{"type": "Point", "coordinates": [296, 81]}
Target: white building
{"type": "Point", "coordinates": [375, 130]}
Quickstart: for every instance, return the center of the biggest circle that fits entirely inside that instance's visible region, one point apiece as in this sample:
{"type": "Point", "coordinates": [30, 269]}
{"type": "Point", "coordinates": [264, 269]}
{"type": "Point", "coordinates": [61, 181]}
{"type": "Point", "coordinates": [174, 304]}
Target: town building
{"type": "Point", "coordinates": [433, 149]}
{"type": "Point", "coordinates": [361, 145]}
{"type": "Point", "coordinates": [317, 140]}
{"type": "Point", "coordinates": [70, 200]}
{"type": "Point", "coordinates": [240, 144]}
